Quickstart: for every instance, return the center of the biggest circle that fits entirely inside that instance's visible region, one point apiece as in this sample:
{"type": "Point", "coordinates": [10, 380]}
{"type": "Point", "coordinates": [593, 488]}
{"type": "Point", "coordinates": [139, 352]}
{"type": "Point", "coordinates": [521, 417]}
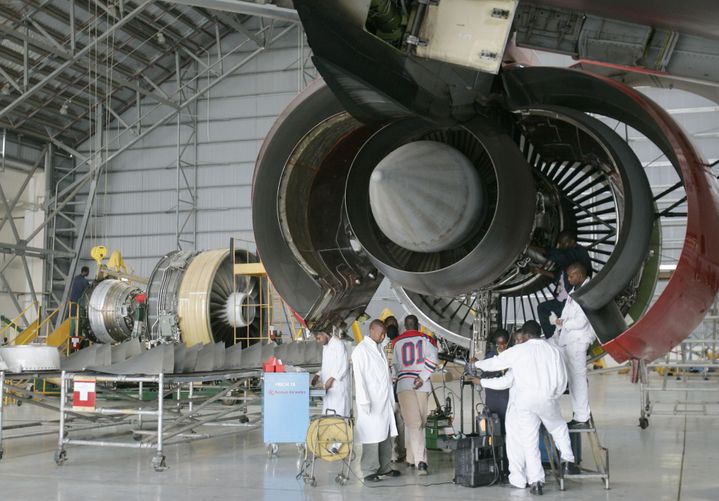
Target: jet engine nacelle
{"type": "Point", "coordinates": [447, 180]}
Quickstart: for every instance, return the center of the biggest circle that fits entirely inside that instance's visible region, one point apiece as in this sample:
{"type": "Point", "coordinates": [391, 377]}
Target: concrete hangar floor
{"type": "Point", "coordinates": [674, 459]}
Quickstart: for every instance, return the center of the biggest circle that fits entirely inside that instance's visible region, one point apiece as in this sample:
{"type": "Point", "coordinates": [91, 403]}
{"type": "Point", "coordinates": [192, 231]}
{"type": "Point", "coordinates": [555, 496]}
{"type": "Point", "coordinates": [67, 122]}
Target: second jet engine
{"type": "Point", "coordinates": [195, 298]}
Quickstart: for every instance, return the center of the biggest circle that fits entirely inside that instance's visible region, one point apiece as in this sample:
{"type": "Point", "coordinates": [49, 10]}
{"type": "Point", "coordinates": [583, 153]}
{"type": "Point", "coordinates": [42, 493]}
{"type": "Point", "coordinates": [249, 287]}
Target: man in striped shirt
{"type": "Point", "coordinates": [414, 359]}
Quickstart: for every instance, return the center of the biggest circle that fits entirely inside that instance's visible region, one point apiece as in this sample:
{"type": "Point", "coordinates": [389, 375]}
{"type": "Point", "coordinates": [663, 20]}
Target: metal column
{"type": "Point", "coordinates": [2, 407]}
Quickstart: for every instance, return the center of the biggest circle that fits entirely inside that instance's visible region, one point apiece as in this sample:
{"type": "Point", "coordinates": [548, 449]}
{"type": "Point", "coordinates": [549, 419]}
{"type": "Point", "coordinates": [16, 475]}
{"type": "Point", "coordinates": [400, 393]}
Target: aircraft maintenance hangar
{"type": "Point", "coordinates": [359, 249]}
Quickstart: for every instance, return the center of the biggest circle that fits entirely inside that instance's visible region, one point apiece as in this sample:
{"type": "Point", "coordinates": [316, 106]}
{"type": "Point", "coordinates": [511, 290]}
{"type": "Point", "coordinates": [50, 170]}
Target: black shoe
{"type": "Point", "coordinates": [422, 468]}
{"type": "Point", "coordinates": [569, 468]}
{"type": "Point", "coordinates": [391, 473]}
{"type": "Point", "coordinates": [579, 425]}
{"type": "Point", "coordinates": [536, 488]}
{"type": "Point", "coordinates": [409, 465]}
{"type": "Point", "coordinates": [372, 478]}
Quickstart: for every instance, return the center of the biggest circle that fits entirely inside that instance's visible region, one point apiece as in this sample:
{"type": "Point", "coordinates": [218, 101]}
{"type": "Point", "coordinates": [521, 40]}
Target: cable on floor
{"type": "Point", "coordinates": [684, 451]}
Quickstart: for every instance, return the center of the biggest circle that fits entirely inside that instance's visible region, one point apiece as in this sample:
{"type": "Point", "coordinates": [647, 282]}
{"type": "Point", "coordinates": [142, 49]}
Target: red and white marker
{"type": "Point", "coordinates": [83, 396]}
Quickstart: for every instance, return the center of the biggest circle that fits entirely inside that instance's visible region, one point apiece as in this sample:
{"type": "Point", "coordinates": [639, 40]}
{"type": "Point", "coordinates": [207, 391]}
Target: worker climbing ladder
{"type": "Point", "coordinates": [600, 455]}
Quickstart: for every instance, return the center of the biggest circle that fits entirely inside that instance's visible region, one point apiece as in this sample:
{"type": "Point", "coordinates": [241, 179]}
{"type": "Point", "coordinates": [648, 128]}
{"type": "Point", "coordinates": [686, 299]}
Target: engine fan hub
{"type": "Point", "coordinates": [426, 196]}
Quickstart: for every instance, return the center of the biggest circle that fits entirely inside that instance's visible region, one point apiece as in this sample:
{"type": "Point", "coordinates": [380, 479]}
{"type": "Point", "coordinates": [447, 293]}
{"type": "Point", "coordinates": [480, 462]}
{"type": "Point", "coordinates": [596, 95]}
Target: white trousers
{"type": "Point", "coordinates": [522, 423]}
{"type": "Point", "coordinates": [575, 359]}
{"type": "Point", "coordinates": [413, 406]}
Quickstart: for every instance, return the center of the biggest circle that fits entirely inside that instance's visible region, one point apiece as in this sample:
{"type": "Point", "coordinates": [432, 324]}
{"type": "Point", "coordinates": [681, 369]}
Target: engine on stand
{"type": "Point", "coordinates": [196, 298]}
{"type": "Point", "coordinates": [111, 311]}
{"type": "Point", "coordinates": [192, 297]}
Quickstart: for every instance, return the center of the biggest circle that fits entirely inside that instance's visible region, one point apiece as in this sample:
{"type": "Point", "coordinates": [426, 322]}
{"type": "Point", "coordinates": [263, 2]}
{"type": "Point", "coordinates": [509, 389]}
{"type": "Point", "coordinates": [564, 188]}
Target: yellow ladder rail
{"type": "Point", "coordinates": [15, 321]}
{"type": "Point", "coordinates": [29, 334]}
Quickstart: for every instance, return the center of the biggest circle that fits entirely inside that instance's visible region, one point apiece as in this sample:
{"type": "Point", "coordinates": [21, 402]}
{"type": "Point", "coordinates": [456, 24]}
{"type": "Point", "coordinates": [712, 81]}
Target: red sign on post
{"type": "Point", "coordinates": [83, 396]}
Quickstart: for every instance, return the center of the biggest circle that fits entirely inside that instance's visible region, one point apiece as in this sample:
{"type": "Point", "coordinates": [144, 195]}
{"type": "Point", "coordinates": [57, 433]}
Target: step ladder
{"type": "Point", "coordinates": [600, 455]}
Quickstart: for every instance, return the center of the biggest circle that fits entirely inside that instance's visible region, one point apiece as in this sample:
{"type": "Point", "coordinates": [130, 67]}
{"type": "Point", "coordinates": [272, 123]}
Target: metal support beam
{"type": "Point", "coordinates": [16, 165]}
{"type": "Point", "coordinates": [61, 205]}
{"type": "Point", "coordinates": [10, 80]}
{"type": "Point", "coordinates": [49, 37]}
{"type": "Point", "coordinates": [138, 104]}
{"type": "Point", "coordinates": [25, 55]}
{"type": "Point", "coordinates": [21, 242]}
{"type": "Point", "coordinates": [186, 160]}
{"type": "Point", "coordinates": [242, 7]}
{"type": "Point", "coordinates": [21, 190]}
{"type": "Point", "coordinates": [85, 178]}
{"type": "Point", "coordinates": [86, 50]}
{"type": "Point", "coordinates": [48, 238]}
{"type": "Point", "coordinates": [218, 42]}
{"type": "Point", "coordinates": [89, 202]}
{"type": "Point", "coordinates": [63, 146]}
{"type": "Point", "coordinates": [13, 298]}
{"type": "Point", "coordinates": [28, 39]}
{"type": "Point", "coordinates": [193, 56]}
{"type": "Point", "coordinates": [233, 22]}
{"type": "Point", "coordinates": [164, 100]}
{"type": "Point", "coordinates": [178, 166]}
{"type": "Point", "coordinates": [131, 74]}
{"type": "Point", "coordinates": [118, 118]}
{"type": "Point", "coordinates": [24, 250]}
{"type": "Point", "coordinates": [72, 26]}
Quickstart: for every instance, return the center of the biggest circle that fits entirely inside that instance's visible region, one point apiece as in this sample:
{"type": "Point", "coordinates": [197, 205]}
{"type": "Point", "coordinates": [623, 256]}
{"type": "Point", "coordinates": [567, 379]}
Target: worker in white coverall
{"type": "Point", "coordinates": [536, 378]}
{"type": "Point", "coordinates": [574, 338]}
{"type": "Point", "coordinates": [375, 424]}
{"type": "Point", "coordinates": [334, 376]}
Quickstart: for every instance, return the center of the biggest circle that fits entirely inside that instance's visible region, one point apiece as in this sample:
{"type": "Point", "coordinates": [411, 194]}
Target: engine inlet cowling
{"type": "Point", "coordinates": [471, 176]}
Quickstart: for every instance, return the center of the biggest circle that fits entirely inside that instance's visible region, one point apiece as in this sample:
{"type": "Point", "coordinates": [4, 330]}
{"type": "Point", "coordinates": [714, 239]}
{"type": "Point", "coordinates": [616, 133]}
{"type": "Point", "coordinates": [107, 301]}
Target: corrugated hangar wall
{"type": "Point", "coordinates": [135, 209]}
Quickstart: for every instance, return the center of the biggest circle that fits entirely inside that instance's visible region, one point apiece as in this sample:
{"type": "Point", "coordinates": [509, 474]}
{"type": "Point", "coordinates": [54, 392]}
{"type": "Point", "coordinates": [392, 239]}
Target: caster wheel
{"type": "Point", "coordinates": [1, 454]}
{"type": "Point", "coordinates": [643, 423]}
{"type": "Point", "coordinates": [311, 481]}
{"type": "Point", "coordinates": [273, 450]}
{"type": "Point", "coordinates": [60, 457]}
{"type": "Point", "coordinates": [341, 479]}
{"type": "Point", "coordinates": [244, 419]}
{"type": "Point", "coordinates": [159, 464]}
{"type": "Point", "coordinates": [136, 437]}
{"type": "Point", "coordinates": [19, 403]}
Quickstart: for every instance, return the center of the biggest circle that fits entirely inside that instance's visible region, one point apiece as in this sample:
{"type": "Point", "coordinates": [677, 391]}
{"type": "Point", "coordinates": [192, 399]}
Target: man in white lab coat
{"type": "Point", "coordinates": [536, 378]}
{"type": "Point", "coordinates": [575, 337]}
{"type": "Point", "coordinates": [334, 376]}
{"type": "Point", "coordinates": [375, 425]}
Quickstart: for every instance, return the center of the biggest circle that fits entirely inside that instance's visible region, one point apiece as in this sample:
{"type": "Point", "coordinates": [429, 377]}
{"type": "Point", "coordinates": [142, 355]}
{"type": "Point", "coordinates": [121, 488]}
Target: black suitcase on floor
{"type": "Point", "coordinates": [476, 464]}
